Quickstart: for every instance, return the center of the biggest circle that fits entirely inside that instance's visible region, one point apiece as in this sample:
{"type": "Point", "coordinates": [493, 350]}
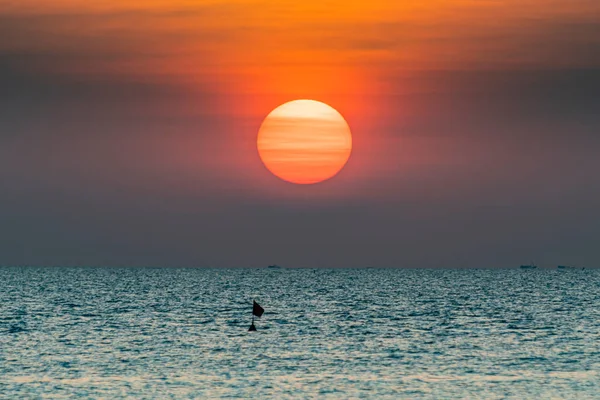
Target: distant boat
{"type": "Point", "coordinates": [274, 267]}
{"type": "Point", "coordinates": [565, 267]}
{"type": "Point", "coordinates": [530, 266]}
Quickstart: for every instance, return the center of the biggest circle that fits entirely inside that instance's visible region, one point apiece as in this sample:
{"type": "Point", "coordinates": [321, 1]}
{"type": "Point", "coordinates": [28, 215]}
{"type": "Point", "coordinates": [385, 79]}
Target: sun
{"type": "Point", "coordinates": [304, 142]}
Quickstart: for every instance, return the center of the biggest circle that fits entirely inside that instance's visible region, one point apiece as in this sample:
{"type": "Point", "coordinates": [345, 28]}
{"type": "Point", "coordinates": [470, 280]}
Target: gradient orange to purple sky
{"type": "Point", "coordinates": [128, 132]}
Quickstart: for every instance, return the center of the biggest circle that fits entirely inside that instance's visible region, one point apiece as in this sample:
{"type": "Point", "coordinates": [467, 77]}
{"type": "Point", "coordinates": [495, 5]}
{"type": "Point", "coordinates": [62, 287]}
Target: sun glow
{"type": "Point", "coordinates": [304, 142]}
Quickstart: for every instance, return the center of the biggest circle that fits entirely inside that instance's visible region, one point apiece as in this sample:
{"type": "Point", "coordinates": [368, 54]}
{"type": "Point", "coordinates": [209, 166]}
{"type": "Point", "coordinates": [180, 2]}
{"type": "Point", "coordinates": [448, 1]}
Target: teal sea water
{"type": "Point", "coordinates": [347, 333]}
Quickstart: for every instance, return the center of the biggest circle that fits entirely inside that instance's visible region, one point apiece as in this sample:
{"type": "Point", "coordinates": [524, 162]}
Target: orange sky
{"type": "Point", "coordinates": [287, 45]}
{"type": "Point", "coordinates": [155, 106]}
{"type": "Point", "coordinates": [254, 55]}
{"type": "Point", "coordinates": [248, 56]}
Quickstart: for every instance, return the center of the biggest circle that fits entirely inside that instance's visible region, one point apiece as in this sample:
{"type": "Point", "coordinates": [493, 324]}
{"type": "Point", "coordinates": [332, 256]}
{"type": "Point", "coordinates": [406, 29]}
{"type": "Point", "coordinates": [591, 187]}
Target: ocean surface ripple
{"type": "Point", "coordinates": [335, 333]}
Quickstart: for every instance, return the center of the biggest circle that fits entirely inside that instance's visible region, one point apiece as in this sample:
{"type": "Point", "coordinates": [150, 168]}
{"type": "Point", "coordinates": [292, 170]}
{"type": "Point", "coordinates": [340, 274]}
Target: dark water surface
{"type": "Point", "coordinates": [361, 333]}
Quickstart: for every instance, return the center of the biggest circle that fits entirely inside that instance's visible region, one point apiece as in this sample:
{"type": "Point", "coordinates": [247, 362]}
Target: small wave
{"type": "Point", "coordinates": [16, 329]}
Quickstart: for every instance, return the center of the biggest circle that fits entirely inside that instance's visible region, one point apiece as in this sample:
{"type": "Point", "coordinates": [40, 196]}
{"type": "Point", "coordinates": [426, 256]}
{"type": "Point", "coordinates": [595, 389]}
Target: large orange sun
{"type": "Point", "coordinates": [304, 142]}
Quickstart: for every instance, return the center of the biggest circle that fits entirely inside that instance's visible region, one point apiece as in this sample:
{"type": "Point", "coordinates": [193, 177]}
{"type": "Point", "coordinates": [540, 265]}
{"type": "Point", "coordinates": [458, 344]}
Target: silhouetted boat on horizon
{"type": "Point", "coordinates": [563, 267]}
{"type": "Point", "coordinates": [530, 266]}
{"type": "Point", "coordinates": [274, 266]}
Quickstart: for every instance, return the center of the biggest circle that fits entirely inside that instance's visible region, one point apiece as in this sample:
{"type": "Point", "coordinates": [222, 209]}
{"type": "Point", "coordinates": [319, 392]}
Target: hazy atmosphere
{"type": "Point", "coordinates": [128, 133]}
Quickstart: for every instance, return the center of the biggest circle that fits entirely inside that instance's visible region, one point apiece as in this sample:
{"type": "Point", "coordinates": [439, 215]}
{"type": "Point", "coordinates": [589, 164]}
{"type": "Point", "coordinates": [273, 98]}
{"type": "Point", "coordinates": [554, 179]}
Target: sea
{"type": "Point", "coordinates": [171, 333]}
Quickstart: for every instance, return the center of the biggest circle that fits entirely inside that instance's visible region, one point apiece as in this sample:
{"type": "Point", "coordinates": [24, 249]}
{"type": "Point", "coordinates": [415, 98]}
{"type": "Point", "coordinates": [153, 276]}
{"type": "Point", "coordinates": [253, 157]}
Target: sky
{"type": "Point", "coordinates": [128, 132]}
